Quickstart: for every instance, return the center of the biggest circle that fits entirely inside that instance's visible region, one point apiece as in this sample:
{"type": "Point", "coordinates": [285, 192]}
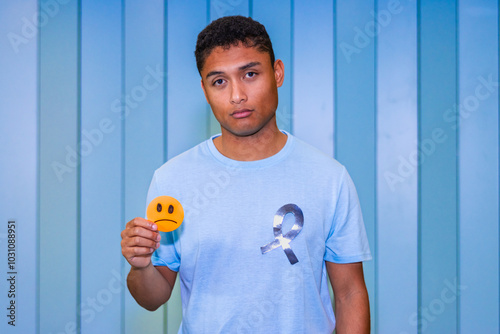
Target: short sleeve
{"type": "Point", "coordinates": [166, 254]}
{"type": "Point", "coordinates": [347, 241]}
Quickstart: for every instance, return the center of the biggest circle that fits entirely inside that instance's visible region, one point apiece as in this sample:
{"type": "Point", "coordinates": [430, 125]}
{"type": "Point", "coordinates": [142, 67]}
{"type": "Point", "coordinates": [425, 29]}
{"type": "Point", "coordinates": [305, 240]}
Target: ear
{"type": "Point", "coordinates": [204, 91]}
{"type": "Point", "coordinates": [279, 72]}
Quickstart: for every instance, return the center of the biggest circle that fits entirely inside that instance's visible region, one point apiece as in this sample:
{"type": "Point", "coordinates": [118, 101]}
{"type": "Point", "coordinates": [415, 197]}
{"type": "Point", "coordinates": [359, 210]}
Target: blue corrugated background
{"type": "Point", "coordinates": [95, 95]}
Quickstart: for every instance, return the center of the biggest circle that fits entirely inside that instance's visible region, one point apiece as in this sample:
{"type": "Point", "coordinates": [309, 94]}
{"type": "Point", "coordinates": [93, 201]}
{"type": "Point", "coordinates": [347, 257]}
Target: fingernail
{"type": "Point", "coordinates": [157, 245]}
{"type": "Point", "coordinates": [154, 227]}
{"type": "Point", "coordinates": [158, 237]}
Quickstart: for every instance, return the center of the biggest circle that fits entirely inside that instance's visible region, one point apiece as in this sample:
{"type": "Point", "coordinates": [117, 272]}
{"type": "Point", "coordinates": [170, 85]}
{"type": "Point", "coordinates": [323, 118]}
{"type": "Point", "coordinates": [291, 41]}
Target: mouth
{"type": "Point", "coordinates": [241, 113]}
{"type": "Point", "coordinates": [170, 220]}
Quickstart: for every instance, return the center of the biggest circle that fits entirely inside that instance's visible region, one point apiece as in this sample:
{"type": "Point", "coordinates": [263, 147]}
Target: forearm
{"type": "Point", "coordinates": [352, 313]}
{"type": "Point", "coordinates": [148, 287]}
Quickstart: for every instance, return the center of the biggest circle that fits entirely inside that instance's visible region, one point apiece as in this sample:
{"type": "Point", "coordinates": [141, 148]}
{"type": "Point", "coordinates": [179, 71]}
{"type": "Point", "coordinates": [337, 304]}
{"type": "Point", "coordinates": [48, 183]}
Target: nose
{"type": "Point", "coordinates": [237, 93]}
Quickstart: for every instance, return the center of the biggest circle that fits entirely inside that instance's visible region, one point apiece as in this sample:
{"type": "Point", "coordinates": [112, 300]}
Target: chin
{"type": "Point", "coordinates": [243, 132]}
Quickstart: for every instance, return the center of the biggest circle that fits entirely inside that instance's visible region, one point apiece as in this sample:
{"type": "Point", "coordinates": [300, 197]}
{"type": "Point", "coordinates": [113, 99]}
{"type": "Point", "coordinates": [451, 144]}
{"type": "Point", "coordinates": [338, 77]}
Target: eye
{"type": "Point", "coordinates": [251, 74]}
{"type": "Point", "coordinates": [158, 207]}
{"type": "Point", "coordinates": [170, 209]}
{"type": "Point", "coordinates": [218, 82]}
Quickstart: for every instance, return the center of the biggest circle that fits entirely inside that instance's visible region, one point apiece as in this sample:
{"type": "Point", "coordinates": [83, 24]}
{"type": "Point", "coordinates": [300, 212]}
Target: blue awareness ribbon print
{"type": "Point", "coordinates": [281, 240]}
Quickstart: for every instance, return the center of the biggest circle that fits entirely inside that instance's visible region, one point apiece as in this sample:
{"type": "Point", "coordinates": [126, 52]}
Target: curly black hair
{"type": "Point", "coordinates": [232, 30]}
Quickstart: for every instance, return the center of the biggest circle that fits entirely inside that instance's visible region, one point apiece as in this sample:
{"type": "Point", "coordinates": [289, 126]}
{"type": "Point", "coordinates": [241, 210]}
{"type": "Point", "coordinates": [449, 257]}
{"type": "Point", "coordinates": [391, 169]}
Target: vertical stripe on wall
{"type": "Point", "coordinates": [187, 112]}
{"type": "Point", "coordinates": [18, 167]}
{"type": "Point", "coordinates": [59, 170]}
{"type": "Point", "coordinates": [101, 167]}
{"type": "Point", "coordinates": [186, 106]}
{"type": "Point", "coordinates": [479, 193]}
{"type": "Point", "coordinates": [276, 16]}
{"type": "Point", "coordinates": [355, 113]}
{"type": "Point", "coordinates": [142, 111]}
{"type": "Point", "coordinates": [397, 166]}
{"type": "Point", "coordinates": [438, 166]}
{"type": "Point", "coordinates": [313, 73]}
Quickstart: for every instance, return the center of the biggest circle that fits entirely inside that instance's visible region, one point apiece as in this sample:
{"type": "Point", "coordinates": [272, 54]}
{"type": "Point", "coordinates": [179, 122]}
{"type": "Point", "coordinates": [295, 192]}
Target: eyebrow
{"type": "Point", "coordinates": [241, 68]}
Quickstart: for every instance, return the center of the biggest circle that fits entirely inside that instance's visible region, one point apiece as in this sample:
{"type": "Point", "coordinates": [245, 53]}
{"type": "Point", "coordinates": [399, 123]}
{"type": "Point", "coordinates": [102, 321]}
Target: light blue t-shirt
{"type": "Point", "coordinates": [252, 248]}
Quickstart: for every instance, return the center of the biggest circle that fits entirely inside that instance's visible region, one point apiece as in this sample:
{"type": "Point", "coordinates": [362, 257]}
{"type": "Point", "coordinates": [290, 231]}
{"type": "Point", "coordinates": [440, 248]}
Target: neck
{"type": "Point", "coordinates": [261, 145]}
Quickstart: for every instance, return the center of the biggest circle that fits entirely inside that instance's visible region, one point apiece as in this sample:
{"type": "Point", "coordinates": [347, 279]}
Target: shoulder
{"type": "Point", "coordinates": [312, 157]}
{"type": "Point", "coordinates": [193, 158]}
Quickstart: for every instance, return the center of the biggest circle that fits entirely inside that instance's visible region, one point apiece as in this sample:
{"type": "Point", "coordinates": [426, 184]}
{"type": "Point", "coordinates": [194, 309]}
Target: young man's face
{"type": "Point", "coordinates": [241, 86]}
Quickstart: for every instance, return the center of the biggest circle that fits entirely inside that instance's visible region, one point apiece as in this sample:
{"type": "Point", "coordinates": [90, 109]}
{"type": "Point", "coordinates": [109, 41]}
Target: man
{"type": "Point", "coordinates": [267, 216]}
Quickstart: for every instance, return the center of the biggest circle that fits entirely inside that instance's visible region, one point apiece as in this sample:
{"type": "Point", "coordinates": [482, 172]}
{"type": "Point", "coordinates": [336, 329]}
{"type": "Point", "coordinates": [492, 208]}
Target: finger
{"type": "Point", "coordinates": [131, 252]}
{"type": "Point", "coordinates": [142, 233]}
{"type": "Point", "coordinates": [137, 241]}
{"type": "Point", "coordinates": [141, 222]}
